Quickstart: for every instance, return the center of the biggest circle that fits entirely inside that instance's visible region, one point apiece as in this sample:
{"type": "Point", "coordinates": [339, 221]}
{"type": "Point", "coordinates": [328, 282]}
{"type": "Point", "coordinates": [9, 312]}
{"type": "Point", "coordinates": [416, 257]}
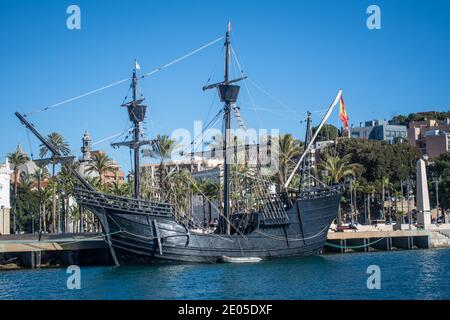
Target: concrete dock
{"type": "Point", "coordinates": [384, 238]}
{"type": "Point", "coordinates": [52, 250]}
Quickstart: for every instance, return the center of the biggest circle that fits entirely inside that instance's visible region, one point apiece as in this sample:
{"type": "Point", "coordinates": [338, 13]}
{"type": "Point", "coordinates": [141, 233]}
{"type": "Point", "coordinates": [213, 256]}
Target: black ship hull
{"type": "Point", "coordinates": [145, 237]}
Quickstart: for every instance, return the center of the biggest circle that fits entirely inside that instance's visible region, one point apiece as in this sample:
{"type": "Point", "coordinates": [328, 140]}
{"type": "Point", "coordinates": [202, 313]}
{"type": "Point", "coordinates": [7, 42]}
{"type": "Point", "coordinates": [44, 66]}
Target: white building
{"type": "Point", "coordinates": [5, 206]}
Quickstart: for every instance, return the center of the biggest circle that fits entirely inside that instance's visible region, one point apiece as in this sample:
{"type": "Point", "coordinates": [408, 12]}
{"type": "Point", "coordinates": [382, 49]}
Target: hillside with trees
{"type": "Point", "coordinates": [430, 115]}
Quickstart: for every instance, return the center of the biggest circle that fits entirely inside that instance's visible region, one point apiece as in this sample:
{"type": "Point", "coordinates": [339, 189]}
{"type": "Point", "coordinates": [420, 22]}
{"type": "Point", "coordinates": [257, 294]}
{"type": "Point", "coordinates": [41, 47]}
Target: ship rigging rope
{"type": "Point", "coordinates": [276, 206]}
{"type": "Point", "coordinates": [123, 80]}
{"type": "Point", "coordinates": [241, 70]}
{"type": "Point", "coordinates": [291, 110]}
{"type": "Point", "coordinates": [272, 209]}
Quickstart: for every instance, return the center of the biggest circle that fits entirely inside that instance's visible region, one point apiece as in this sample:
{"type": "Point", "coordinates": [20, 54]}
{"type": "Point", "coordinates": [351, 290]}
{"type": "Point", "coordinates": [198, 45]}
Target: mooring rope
{"type": "Point", "coordinates": [353, 247]}
{"type": "Point", "coordinates": [96, 237]}
{"type": "Point", "coordinates": [291, 239]}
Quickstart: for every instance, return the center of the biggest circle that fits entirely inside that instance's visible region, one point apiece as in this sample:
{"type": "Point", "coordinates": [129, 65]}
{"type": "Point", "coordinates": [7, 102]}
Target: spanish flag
{"type": "Point", "coordinates": [343, 114]}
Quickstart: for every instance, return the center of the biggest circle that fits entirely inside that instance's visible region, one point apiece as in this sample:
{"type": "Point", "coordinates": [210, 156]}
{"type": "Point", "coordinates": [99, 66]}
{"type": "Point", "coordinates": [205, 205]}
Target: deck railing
{"type": "Point", "coordinates": [95, 198]}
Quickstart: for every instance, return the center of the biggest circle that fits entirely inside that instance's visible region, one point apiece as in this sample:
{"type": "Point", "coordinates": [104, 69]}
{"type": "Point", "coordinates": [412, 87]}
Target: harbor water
{"type": "Point", "coordinates": [415, 274]}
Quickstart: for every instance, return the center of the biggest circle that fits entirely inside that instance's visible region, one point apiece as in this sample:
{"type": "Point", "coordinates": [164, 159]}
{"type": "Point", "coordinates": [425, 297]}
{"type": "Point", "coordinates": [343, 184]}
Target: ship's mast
{"type": "Point", "coordinates": [226, 140]}
{"type": "Point", "coordinates": [136, 130]}
{"type": "Point", "coordinates": [305, 176]}
{"type": "Point", "coordinates": [228, 94]}
{"type": "Point", "coordinates": [136, 113]}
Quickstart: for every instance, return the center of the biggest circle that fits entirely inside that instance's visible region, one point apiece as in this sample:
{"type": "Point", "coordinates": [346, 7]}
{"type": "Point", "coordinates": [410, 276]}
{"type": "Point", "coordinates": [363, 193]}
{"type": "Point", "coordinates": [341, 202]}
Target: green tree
{"type": "Point", "coordinates": [380, 159]}
{"type": "Point", "coordinates": [61, 145]}
{"type": "Point", "coordinates": [179, 186]}
{"type": "Point", "coordinates": [66, 189]}
{"type": "Point", "coordinates": [58, 141]}
{"type": "Point", "coordinates": [290, 150]}
{"type": "Point", "coordinates": [27, 205]}
{"type": "Point", "coordinates": [328, 132]}
{"type": "Point", "coordinates": [42, 174]}
{"type": "Point", "coordinates": [440, 168]}
{"type": "Point", "coordinates": [431, 115]}
{"type": "Point", "coordinates": [120, 188]}
{"type": "Point", "coordinates": [100, 164]}
{"type": "Point", "coordinates": [382, 186]}
{"type": "Point", "coordinates": [338, 168]}
{"type": "Point", "coordinates": [162, 150]}
{"type": "Point", "coordinates": [369, 191]}
{"type": "Point", "coordinates": [16, 159]}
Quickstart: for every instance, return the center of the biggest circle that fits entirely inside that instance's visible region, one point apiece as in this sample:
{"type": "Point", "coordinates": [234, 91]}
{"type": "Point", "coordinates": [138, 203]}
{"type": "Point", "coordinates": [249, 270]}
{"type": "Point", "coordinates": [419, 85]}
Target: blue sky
{"type": "Point", "coordinates": [301, 52]}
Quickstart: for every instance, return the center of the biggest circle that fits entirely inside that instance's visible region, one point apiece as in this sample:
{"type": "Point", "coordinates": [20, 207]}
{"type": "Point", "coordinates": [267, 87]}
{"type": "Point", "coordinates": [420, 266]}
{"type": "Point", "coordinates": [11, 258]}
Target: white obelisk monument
{"type": "Point", "coordinates": [423, 198]}
{"type": "Point", "coordinates": [5, 174]}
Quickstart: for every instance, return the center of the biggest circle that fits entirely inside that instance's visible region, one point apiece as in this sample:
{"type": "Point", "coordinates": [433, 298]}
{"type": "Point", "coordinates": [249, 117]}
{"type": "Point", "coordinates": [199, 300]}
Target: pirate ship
{"type": "Point", "coordinates": [288, 223]}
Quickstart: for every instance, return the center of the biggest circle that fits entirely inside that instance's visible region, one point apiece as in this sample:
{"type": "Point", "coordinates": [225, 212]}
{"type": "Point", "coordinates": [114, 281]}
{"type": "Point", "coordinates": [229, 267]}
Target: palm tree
{"type": "Point", "coordinates": [339, 168]}
{"type": "Point", "coordinates": [61, 145]}
{"type": "Point", "coordinates": [398, 216]}
{"type": "Point", "coordinates": [369, 191]}
{"type": "Point", "coordinates": [289, 149]}
{"type": "Point", "coordinates": [66, 183]}
{"type": "Point", "coordinates": [119, 188]}
{"type": "Point", "coordinates": [162, 150]}
{"type": "Point", "coordinates": [46, 197]}
{"type": "Point", "coordinates": [386, 187]}
{"type": "Point", "coordinates": [41, 173]}
{"type": "Point", "coordinates": [358, 186]}
{"type": "Point", "coordinates": [383, 187]}
{"type": "Point", "coordinates": [16, 159]}
{"type": "Point", "coordinates": [180, 185]}
{"type": "Point", "coordinates": [58, 141]}
{"type": "Point", "coordinates": [100, 164]}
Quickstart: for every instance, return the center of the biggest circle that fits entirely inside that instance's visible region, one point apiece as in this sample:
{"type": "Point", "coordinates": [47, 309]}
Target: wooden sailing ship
{"type": "Point", "coordinates": [281, 225]}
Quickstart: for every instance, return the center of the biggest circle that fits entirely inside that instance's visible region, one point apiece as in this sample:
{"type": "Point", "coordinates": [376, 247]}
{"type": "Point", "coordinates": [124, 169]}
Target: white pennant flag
{"type": "Point", "coordinates": [138, 67]}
